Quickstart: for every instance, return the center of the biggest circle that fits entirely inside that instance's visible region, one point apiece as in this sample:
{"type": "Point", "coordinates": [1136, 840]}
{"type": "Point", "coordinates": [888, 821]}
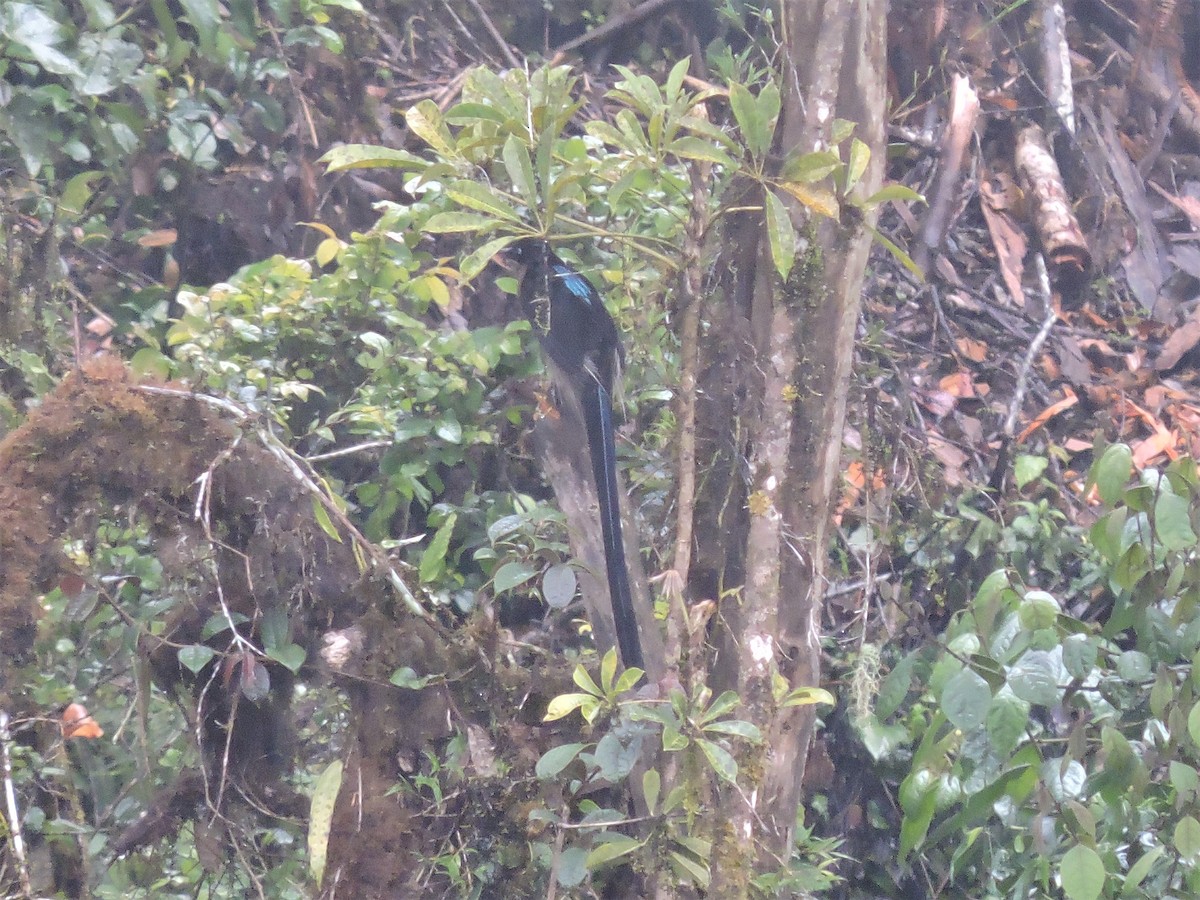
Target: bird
{"type": "Point", "coordinates": [583, 349]}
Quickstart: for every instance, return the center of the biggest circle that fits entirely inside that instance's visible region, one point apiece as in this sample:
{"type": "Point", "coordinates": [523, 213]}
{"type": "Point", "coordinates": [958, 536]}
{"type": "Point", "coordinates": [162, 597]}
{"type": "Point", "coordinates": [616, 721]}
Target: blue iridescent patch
{"type": "Point", "coordinates": [575, 283]}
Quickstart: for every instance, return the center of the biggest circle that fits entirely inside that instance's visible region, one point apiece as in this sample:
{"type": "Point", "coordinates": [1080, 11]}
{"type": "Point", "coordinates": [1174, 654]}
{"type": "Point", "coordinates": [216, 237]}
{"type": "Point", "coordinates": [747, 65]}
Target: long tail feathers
{"type": "Point", "coordinates": [597, 414]}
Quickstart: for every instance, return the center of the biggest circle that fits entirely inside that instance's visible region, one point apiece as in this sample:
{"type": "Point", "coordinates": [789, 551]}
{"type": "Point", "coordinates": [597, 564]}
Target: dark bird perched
{"type": "Point", "coordinates": [580, 341]}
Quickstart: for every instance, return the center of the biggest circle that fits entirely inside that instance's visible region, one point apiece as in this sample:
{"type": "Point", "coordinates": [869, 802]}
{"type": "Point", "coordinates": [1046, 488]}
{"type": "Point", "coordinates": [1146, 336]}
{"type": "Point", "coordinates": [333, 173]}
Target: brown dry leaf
{"type": "Point", "coordinates": [1182, 339]}
{"type": "Point", "coordinates": [1189, 206]}
{"type": "Point", "coordinates": [958, 384]}
{"type": "Point", "coordinates": [940, 403]}
{"type": "Point", "coordinates": [1008, 237]}
{"type": "Point", "coordinates": [949, 456]}
{"type": "Point", "coordinates": [975, 351]}
{"type": "Point", "coordinates": [1148, 450]}
{"type": "Point", "coordinates": [163, 237]}
{"type": "Point", "coordinates": [1069, 400]}
{"type": "Point", "coordinates": [77, 722]}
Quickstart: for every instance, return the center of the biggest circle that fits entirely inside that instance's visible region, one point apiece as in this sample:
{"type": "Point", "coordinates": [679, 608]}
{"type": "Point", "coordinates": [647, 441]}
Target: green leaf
{"type": "Point", "coordinates": [195, 656]}
{"type": "Point", "coordinates": [558, 585]}
{"type": "Point", "coordinates": [726, 703]}
{"type": "Point", "coordinates": [520, 170]}
{"type": "Point", "coordinates": [1172, 522]}
{"type": "Point", "coordinates": [205, 17]}
{"type": "Point", "coordinates": [691, 147]}
{"type": "Point", "coordinates": [979, 807]}
{"type": "Point", "coordinates": [572, 867]}
{"type": "Point", "coordinates": [895, 686]}
{"type": "Point", "coordinates": [780, 234]}
{"type": "Point", "coordinates": [860, 156]}
{"type": "Point", "coordinates": [651, 786]}
{"type": "Point", "coordinates": [915, 825]}
{"type": "Point", "coordinates": [477, 261]}
{"type": "Point", "coordinates": [1082, 873]}
{"type": "Point", "coordinates": [755, 130]}
{"type": "Point", "coordinates": [1034, 677]}
{"type": "Point", "coordinates": [150, 363]}
{"type": "Point", "coordinates": [1038, 609]}
{"type": "Point", "coordinates": [291, 656]}
{"type": "Point", "coordinates": [1187, 839]}
{"type": "Point", "coordinates": [628, 679]}
{"type": "Point", "coordinates": [433, 559]}
{"type": "Point", "coordinates": [721, 760]}
{"type": "Point", "coordinates": [1029, 468]}
{"type": "Point", "coordinates": [736, 727]}
{"type": "Point", "coordinates": [892, 192]}
{"type": "Point", "coordinates": [809, 167]}
{"type": "Point", "coordinates": [689, 869]}
{"type": "Point", "coordinates": [1007, 719]}
{"type": "Point", "coordinates": [511, 575]}
{"type": "Point", "coordinates": [556, 759]}
{"type": "Point", "coordinates": [1139, 870]}
{"type": "Point", "coordinates": [807, 696]}
{"type": "Point", "coordinates": [619, 846]}
{"type": "Point", "coordinates": [455, 222]}
{"type": "Point", "coordinates": [1110, 473]}
{"type": "Point", "coordinates": [426, 122]}
{"type": "Point", "coordinates": [321, 514]}
{"type": "Point", "coordinates": [966, 699]}
{"type": "Point", "coordinates": [1079, 655]}
{"type": "Point", "coordinates": [482, 198]}
{"type": "Point", "coordinates": [565, 704]}
{"type": "Point", "coordinates": [369, 156]}
{"type": "Point", "coordinates": [406, 677]}
{"type": "Point", "coordinates": [320, 817]}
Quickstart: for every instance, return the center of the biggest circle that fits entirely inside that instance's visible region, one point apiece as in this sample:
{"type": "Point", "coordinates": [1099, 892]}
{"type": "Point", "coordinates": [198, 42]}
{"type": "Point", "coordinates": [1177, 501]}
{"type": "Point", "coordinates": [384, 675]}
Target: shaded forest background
{"type": "Point", "coordinates": [276, 514]}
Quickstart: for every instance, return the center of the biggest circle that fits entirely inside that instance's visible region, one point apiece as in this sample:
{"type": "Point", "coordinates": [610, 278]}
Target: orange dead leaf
{"type": "Point", "coordinates": [1049, 413]}
{"type": "Point", "coordinates": [77, 722]}
{"type": "Point", "coordinates": [975, 351]}
{"type": "Point", "coordinates": [1145, 451]}
{"type": "Point", "coordinates": [958, 384]}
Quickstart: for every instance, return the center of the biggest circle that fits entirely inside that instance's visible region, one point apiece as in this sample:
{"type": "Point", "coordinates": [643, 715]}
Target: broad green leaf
{"type": "Point", "coordinates": [689, 869]}
{"type": "Point", "coordinates": [809, 167]}
{"type": "Point", "coordinates": [619, 846]}
{"type": "Point", "coordinates": [1034, 677]}
{"type": "Point", "coordinates": [475, 262]}
{"type": "Point", "coordinates": [1111, 472]}
{"type": "Point", "coordinates": [581, 677]}
{"type": "Point", "coordinates": [150, 363]}
{"type": "Point", "coordinates": [556, 759]}
{"type": "Point", "coordinates": [320, 817]}
{"type": "Point", "coordinates": [1029, 468]}
{"type": "Point", "coordinates": [726, 703]}
{"type": "Point", "coordinates": [426, 122]}
{"type": "Point", "coordinates": [511, 575]}
{"type": "Point", "coordinates": [482, 198]}
{"type": "Point", "coordinates": [1079, 655]}
{"type": "Point", "coordinates": [290, 656]}
{"type": "Point", "coordinates": [736, 727]}
{"type": "Point", "coordinates": [720, 759]}
{"type": "Point", "coordinates": [1082, 873]}
{"type": "Point", "coordinates": [966, 699]}
{"type": "Point", "coordinates": [755, 129]}
{"type": "Point", "coordinates": [1038, 609]}
{"type": "Point", "coordinates": [369, 156]}
{"type": "Point", "coordinates": [572, 867]}
{"type": "Point", "coordinates": [1007, 719]}
{"type": "Point", "coordinates": [860, 156]}
{"type": "Point", "coordinates": [1139, 870]}
{"type": "Point", "coordinates": [454, 222]}
{"type": "Point", "coordinates": [1193, 724]}
{"type": "Point", "coordinates": [691, 147]}
{"type": "Point", "coordinates": [895, 686]}
{"type": "Point", "coordinates": [628, 679]}
{"type": "Point", "coordinates": [651, 786]}
{"type": "Point", "coordinates": [520, 170]}
{"type": "Point", "coordinates": [979, 807]}
{"type": "Point", "coordinates": [558, 585]}
{"type": "Point", "coordinates": [565, 704]}
{"type": "Point", "coordinates": [1187, 839]}
{"type": "Point", "coordinates": [1172, 522]}
{"type": "Point", "coordinates": [780, 234]}
{"type": "Point", "coordinates": [195, 656]}
{"type": "Point", "coordinates": [406, 677]}
{"type": "Point", "coordinates": [915, 825]}
{"type": "Point", "coordinates": [807, 696]}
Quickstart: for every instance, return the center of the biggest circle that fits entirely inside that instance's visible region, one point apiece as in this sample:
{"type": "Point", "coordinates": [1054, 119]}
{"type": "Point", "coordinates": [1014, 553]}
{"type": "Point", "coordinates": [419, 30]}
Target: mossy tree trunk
{"type": "Point", "coordinates": [793, 373]}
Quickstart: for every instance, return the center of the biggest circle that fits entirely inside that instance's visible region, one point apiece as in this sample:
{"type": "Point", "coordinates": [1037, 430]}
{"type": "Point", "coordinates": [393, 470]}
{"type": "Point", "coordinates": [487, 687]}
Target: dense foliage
{"type": "Point", "coordinates": [1039, 737]}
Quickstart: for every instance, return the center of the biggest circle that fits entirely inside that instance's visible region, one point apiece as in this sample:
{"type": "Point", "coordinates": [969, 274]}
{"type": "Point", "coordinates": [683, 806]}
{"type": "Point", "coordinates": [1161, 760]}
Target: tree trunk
{"type": "Point", "coordinates": [802, 342]}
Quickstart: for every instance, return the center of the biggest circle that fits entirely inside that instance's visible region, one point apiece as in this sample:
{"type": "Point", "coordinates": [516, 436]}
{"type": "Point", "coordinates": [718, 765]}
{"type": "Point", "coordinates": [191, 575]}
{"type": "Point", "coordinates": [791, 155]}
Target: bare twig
{"type": "Point", "coordinates": [509, 56]}
{"type": "Point", "coordinates": [616, 23]}
{"type": "Point", "coordinates": [15, 837]}
{"type": "Point", "coordinates": [1035, 347]}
